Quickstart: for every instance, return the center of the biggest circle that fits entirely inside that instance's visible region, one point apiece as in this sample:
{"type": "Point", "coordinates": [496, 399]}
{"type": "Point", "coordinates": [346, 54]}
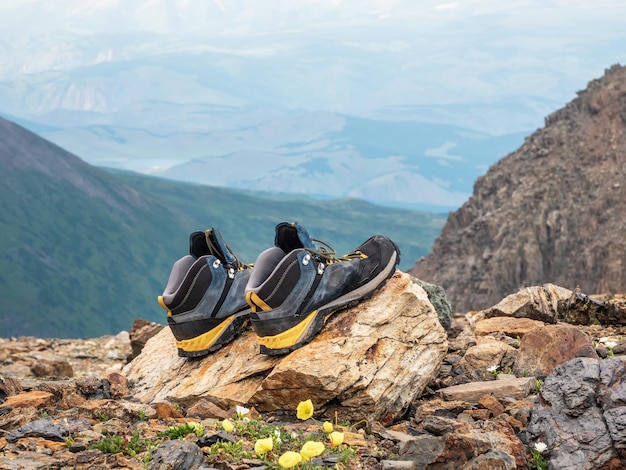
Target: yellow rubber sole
{"type": "Point", "coordinates": [287, 338]}
{"type": "Point", "coordinates": [205, 341]}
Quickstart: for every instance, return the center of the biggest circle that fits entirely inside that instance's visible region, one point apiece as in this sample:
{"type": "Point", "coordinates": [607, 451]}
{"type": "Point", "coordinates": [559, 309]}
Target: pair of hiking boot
{"type": "Point", "coordinates": [287, 295]}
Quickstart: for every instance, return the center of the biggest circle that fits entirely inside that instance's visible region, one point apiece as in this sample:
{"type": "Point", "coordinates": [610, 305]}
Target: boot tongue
{"type": "Point", "coordinates": [210, 242]}
{"type": "Point", "coordinates": [220, 248]}
{"type": "Point", "coordinates": [291, 236]}
{"type": "Point", "coordinates": [198, 246]}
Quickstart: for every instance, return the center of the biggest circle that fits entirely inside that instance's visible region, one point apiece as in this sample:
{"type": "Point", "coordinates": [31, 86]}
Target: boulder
{"type": "Point", "coordinates": [488, 353]}
{"type": "Point", "coordinates": [369, 362]}
{"type": "Point", "coordinates": [439, 299]}
{"type": "Point", "coordinates": [517, 388]}
{"type": "Point", "coordinates": [550, 303]}
{"type": "Point", "coordinates": [140, 333]}
{"type": "Point", "coordinates": [513, 327]}
{"type": "Point", "coordinates": [542, 349]}
{"type": "Point", "coordinates": [536, 303]}
{"type": "Point", "coordinates": [8, 387]}
{"type": "Point", "coordinates": [582, 309]}
{"type": "Point", "coordinates": [50, 365]}
{"type": "Point", "coordinates": [481, 445]}
{"type": "Point", "coordinates": [581, 415]}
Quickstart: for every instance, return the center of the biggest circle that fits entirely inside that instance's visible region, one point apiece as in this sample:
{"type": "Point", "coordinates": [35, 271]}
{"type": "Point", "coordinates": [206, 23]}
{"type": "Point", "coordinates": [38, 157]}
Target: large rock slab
{"type": "Point", "coordinates": [479, 445]}
{"type": "Point", "coordinates": [550, 303]}
{"type": "Point", "coordinates": [581, 415]}
{"type": "Point", "coordinates": [369, 362]}
{"type": "Point", "coordinates": [517, 388]}
{"type": "Point", "coordinates": [513, 327]}
{"type": "Point", "coordinates": [539, 303]}
{"type": "Point", "coordinates": [544, 348]}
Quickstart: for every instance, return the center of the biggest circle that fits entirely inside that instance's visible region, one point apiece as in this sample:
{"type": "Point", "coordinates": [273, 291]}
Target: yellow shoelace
{"type": "Point", "coordinates": [215, 249]}
{"type": "Point", "coordinates": [328, 253]}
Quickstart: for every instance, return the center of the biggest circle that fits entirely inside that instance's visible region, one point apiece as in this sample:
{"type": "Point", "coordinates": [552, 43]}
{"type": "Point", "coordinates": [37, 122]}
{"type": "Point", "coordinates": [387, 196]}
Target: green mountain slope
{"type": "Point", "coordinates": [76, 256]}
{"type": "Point", "coordinates": [84, 251]}
{"type": "Point", "coordinates": [247, 221]}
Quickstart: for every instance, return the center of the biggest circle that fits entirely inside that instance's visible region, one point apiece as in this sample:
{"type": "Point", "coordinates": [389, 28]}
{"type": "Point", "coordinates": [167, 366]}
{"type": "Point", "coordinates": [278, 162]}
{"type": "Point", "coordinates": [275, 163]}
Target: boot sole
{"type": "Point", "coordinates": [312, 324]}
{"type": "Point", "coordinates": [219, 336]}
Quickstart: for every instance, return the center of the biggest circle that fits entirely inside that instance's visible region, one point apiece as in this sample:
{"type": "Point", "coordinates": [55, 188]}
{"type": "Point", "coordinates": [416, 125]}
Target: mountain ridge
{"type": "Point", "coordinates": [550, 212]}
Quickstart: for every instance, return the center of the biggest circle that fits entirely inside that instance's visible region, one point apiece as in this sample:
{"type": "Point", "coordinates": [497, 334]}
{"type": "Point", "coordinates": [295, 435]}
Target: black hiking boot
{"type": "Point", "coordinates": [205, 296]}
{"type": "Point", "coordinates": [296, 285]}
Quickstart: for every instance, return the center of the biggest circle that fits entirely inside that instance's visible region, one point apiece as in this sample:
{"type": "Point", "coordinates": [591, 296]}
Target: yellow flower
{"type": "Point", "coordinates": [304, 410]}
{"type": "Point", "coordinates": [311, 449]}
{"type": "Point", "coordinates": [227, 425]}
{"type": "Point", "coordinates": [262, 446]}
{"type": "Point", "coordinates": [289, 459]}
{"type": "Point", "coordinates": [336, 438]}
{"type": "Point", "coordinates": [328, 427]}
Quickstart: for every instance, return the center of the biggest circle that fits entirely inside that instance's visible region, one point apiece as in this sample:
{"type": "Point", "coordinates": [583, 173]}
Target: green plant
{"type": "Point", "coordinates": [610, 345]}
{"type": "Point", "coordinates": [114, 444]}
{"type": "Point", "coordinates": [147, 458]}
{"type": "Point", "coordinates": [494, 370]}
{"type": "Point", "coordinates": [538, 384]}
{"type": "Point", "coordinates": [110, 444]}
{"type": "Point", "coordinates": [347, 453]}
{"type": "Point", "coordinates": [255, 429]}
{"type": "Point", "coordinates": [102, 416]}
{"type": "Point", "coordinates": [181, 430]}
{"type": "Point", "coordinates": [141, 414]}
{"type": "Point", "coordinates": [134, 445]}
{"type": "Point", "coordinates": [537, 462]}
{"type": "Point", "coordinates": [233, 451]}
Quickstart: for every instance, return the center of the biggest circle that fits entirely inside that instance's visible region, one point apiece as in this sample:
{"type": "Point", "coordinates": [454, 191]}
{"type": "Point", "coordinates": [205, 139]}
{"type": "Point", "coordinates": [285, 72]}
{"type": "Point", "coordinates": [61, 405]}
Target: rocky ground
{"type": "Point", "coordinates": [67, 404]}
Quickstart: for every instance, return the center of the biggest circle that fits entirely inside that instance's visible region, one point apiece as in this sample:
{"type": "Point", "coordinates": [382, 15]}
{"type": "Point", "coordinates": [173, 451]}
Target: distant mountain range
{"type": "Point", "coordinates": [84, 251]}
{"type": "Point", "coordinates": [419, 165]}
{"type": "Point", "coordinates": [326, 99]}
{"type": "Point", "coordinates": [320, 154]}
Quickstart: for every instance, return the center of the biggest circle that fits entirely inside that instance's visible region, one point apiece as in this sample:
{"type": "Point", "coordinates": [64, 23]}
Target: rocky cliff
{"type": "Point", "coordinates": [553, 211]}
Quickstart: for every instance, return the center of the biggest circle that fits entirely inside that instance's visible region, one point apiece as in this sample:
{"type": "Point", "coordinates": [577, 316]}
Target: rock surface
{"type": "Point", "coordinates": [361, 365]}
{"type": "Point", "coordinates": [552, 211]}
{"type": "Point", "coordinates": [466, 417]}
{"type": "Point", "coordinates": [582, 414]}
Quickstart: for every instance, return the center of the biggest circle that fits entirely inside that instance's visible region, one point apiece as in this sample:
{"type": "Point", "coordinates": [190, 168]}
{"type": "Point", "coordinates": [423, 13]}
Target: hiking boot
{"type": "Point", "coordinates": [205, 296]}
{"type": "Point", "coordinates": [296, 285]}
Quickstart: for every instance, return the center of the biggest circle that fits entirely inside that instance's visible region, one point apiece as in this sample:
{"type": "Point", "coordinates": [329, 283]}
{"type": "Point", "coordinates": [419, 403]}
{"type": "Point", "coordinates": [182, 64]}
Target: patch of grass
{"type": "Point", "coordinates": [230, 451]}
{"type": "Point", "coordinates": [115, 444]}
{"type": "Point", "coordinates": [182, 430]}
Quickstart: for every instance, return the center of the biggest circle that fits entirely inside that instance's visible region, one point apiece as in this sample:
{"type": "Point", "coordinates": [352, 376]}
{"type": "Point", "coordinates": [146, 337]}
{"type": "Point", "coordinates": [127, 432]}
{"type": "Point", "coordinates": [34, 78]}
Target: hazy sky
{"type": "Point", "coordinates": [362, 55]}
{"type": "Point", "coordinates": [147, 84]}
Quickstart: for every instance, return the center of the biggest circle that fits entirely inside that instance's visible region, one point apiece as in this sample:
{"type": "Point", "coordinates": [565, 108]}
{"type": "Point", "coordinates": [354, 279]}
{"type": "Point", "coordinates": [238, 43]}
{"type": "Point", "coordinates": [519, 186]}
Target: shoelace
{"type": "Point", "coordinates": [238, 265]}
{"type": "Point", "coordinates": [328, 253]}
